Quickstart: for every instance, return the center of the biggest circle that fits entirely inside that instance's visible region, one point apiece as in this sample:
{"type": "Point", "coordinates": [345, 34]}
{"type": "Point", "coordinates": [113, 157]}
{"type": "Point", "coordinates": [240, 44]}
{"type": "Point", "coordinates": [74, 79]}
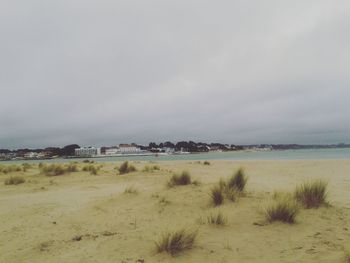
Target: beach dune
{"type": "Point", "coordinates": [80, 217]}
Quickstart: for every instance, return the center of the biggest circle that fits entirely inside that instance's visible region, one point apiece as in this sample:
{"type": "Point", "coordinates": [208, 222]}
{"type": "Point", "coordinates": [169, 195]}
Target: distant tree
{"type": "Point", "coordinates": [152, 145]}
{"type": "Point", "coordinates": [53, 150]}
{"type": "Point", "coordinates": [69, 150]}
{"type": "Point", "coordinates": [4, 151]}
{"type": "Point", "coordinates": [169, 145]}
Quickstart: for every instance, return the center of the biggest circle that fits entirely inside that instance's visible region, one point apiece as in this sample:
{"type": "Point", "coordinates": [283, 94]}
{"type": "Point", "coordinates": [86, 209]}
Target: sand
{"type": "Point", "coordinates": [80, 217]}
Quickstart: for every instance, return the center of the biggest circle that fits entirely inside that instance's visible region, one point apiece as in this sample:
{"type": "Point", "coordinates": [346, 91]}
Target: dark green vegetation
{"type": "Point", "coordinates": [176, 242]}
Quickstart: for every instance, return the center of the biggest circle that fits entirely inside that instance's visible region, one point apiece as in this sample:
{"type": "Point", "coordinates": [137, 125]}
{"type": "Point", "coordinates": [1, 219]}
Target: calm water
{"type": "Point", "coordinates": [271, 155]}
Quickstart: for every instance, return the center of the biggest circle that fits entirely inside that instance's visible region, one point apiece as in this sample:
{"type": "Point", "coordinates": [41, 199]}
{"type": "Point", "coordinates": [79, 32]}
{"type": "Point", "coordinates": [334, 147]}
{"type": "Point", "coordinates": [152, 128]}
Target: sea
{"type": "Point", "coordinates": [302, 154]}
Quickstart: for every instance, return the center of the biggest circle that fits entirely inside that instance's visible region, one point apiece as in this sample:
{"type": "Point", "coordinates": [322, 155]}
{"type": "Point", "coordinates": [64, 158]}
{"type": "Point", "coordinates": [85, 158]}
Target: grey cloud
{"type": "Point", "coordinates": [104, 72]}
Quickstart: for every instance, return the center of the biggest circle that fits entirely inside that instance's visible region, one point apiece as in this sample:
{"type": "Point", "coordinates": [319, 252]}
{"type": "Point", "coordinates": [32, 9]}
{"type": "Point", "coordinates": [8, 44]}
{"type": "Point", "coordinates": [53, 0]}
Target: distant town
{"type": "Point", "coordinates": [166, 148]}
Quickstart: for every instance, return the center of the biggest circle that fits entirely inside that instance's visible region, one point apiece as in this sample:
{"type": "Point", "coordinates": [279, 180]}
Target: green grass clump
{"type": "Point", "coordinates": [206, 163]}
{"type": "Point", "coordinates": [176, 242]}
{"type": "Point", "coordinates": [180, 179]}
{"type": "Point", "coordinates": [125, 168]}
{"type": "Point", "coordinates": [238, 180]}
{"type": "Point", "coordinates": [312, 194]}
{"type": "Point", "coordinates": [14, 180]}
{"type": "Point", "coordinates": [217, 219]}
{"type": "Point", "coordinates": [217, 196]}
{"type": "Point", "coordinates": [282, 209]}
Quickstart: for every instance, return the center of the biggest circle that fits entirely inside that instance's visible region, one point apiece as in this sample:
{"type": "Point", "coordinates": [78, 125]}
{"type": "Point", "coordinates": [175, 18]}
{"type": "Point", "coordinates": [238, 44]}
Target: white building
{"type": "Point", "coordinates": [123, 149]}
{"type": "Point", "coordinates": [87, 151]}
{"type": "Point", "coordinates": [127, 148]}
{"type": "Point", "coordinates": [112, 151]}
{"type": "Point", "coordinates": [31, 155]}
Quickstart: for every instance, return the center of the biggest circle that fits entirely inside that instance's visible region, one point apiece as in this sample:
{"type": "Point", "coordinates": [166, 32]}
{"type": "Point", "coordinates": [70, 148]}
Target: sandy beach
{"type": "Point", "coordinates": [79, 217]}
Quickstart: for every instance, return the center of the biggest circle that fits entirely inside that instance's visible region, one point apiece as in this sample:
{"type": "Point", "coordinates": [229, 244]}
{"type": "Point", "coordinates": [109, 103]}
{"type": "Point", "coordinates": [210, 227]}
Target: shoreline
{"type": "Point", "coordinates": [298, 154]}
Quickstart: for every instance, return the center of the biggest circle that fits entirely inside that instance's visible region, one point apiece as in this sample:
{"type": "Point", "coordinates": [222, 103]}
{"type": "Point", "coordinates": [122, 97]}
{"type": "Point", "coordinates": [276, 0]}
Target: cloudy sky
{"type": "Point", "coordinates": [103, 72]}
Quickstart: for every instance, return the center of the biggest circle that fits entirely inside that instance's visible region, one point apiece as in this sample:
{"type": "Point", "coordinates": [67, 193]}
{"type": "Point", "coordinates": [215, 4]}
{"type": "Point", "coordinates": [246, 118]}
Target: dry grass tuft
{"type": "Point", "coordinates": [217, 196]}
{"type": "Point", "coordinates": [91, 168]}
{"type": "Point", "coordinates": [217, 219]}
{"type": "Point", "coordinates": [10, 168]}
{"type": "Point", "coordinates": [238, 181]}
{"type": "Point", "coordinates": [176, 242]}
{"type": "Point", "coordinates": [57, 169]}
{"type": "Point", "coordinates": [232, 194]}
{"type": "Point", "coordinates": [183, 179]}
{"type": "Point", "coordinates": [26, 166]}
{"type": "Point", "coordinates": [53, 169]}
{"type": "Point", "coordinates": [283, 209]}
{"type": "Point", "coordinates": [312, 194]}
{"type": "Point", "coordinates": [131, 190]}
{"type": "Point", "coordinates": [72, 168]}
{"type": "Point", "coordinates": [125, 168]}
{"type": "Point", "coordinates": [150, 169]}
{"type": "Point", "coordinates": [14, 180]}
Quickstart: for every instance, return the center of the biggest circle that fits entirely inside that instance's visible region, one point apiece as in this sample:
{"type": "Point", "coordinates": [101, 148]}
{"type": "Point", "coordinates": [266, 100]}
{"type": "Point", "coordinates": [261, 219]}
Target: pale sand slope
{"type": "Point", "coordinates": [40, 218]}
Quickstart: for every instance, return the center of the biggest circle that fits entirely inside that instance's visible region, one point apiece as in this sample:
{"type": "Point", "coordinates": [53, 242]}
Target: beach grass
{"type": "Point", "coordinates": [10, 168]}
{"type": "Point", "coordinates": [130, 190]}
{"type": "Point", "coordinates": [150, 169]}
{"type": "Point", "coordinates": [217, 218]}
{"type": "Point", "coordinates": [238, 180]}
{"type": "Point", "coordinates": [312, 194]}
{"type": "Point", "coordinates": [180, 179]}
{"type": "Point", "coordinates": [217, 196]}
{"type": "Point", "coordinates": [283, 209]}
{"type": "Point", "coordinates": [126, 167]}
{"type": "Point", "coordinates": [176, 242]}
{"type": "Point", "coordinates": [14, 180]}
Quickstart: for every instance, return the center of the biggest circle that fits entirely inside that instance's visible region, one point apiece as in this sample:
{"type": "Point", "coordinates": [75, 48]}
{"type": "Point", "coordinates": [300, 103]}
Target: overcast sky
{"type": "Point", "coordinates": [105, 72]}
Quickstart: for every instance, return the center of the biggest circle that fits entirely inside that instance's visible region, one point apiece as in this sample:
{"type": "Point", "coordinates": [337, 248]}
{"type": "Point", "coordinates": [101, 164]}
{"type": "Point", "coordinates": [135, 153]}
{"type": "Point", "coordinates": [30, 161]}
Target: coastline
{"type": "Point", "coordinates": [299, 154]}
